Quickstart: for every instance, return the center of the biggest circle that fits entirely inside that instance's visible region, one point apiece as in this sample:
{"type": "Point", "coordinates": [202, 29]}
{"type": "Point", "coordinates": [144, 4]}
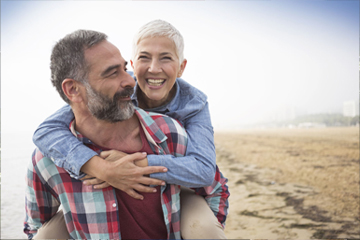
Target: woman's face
{"type": "Point", "coordinates": [156, 67]}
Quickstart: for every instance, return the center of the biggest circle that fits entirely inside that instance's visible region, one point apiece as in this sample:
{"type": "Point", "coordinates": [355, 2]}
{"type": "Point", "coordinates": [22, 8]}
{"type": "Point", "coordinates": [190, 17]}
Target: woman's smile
{"type": "Point", "coordinates": [153, 82]}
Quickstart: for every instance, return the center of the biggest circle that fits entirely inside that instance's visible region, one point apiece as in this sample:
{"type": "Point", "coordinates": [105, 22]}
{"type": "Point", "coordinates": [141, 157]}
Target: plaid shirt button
{"type": "Point", "coordinates": [114, 205]}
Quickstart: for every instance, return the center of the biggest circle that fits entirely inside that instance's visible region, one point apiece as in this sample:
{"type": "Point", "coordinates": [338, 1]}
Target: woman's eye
{"type": "Point", "coordinates": [166, 58]}
{"type": "Point", "coordinates": [143, 57]}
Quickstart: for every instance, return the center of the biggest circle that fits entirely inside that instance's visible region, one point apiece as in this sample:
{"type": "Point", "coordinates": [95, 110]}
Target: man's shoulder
{"type": "Point", "coordinates": [167, 124]}
{"type": "Point", "coordinates": [37, 156]}
{"type": "Point", "coordinates": [175, 135]}
{"type": "Point", "coordinates": [43, 165]}
{"type": "Point", "coordinates": [162, 127]}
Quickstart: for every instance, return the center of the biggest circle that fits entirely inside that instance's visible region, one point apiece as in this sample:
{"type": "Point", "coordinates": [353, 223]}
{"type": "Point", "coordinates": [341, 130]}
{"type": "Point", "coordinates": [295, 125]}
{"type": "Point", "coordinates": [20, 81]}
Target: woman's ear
{"type": "Point", "coordinates": [132, 64]}
{"type": "Point", "coordinates": [182, 68]}
{"type": "Point", "coordinates": [71, 89]}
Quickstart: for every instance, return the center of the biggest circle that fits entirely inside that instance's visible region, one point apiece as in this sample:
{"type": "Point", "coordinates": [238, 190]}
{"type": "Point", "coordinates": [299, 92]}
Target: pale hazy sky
{"type": "Point", "coordinates": [250, 57]}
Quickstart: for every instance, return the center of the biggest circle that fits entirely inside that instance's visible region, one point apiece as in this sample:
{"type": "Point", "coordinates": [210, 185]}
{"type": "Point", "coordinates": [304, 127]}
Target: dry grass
{"type": "Point", "coordinates": [325, 159]}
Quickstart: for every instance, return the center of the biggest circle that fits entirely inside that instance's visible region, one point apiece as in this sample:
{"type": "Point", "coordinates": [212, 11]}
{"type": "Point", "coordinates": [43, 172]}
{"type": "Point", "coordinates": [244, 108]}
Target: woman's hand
{"type": "Point", "coordinates": [95, 182]}
{"type": "Point", "coordinates": [126, 172]}
{"type": "Point", "coordinates": [112, 156]}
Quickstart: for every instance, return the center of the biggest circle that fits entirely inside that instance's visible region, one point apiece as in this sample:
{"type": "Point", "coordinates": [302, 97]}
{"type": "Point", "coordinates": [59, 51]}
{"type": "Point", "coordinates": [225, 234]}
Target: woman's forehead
{"type": "Point", "coordinates": [156, 44]}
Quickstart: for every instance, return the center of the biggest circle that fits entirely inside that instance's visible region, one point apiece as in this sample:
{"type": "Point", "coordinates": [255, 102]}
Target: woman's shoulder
{"type": "Point", "coordinates": [188, 92]}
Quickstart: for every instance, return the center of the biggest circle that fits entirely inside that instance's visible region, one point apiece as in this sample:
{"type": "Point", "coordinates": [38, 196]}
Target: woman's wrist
{"type": "Point", "coordinates": [96, 167]}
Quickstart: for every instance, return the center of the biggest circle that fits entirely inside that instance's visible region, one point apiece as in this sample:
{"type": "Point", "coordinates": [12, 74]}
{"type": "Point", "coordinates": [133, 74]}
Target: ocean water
{"type": "Point", "coordinates": [16, 151]}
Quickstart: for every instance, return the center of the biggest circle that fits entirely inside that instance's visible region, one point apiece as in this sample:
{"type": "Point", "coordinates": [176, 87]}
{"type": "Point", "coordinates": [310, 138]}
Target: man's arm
{"type": "Point", "coordinates": [40, 204]}
{"type": "Point", "coordinates": [217, 196]}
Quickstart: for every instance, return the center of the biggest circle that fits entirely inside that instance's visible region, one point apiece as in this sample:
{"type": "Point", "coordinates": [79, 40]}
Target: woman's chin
{"type": "Point", "coordinates": [157, 99]}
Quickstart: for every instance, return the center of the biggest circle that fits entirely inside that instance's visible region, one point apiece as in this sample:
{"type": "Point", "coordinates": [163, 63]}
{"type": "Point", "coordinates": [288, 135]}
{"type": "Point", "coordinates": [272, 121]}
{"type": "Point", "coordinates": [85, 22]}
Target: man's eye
{"type": "Point", "coordinates": [114, 73]}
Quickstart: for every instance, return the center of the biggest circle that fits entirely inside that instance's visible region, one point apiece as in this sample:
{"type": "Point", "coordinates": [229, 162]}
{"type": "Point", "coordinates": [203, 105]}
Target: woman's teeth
{"type": "Point", "coordinates": [155, 82]}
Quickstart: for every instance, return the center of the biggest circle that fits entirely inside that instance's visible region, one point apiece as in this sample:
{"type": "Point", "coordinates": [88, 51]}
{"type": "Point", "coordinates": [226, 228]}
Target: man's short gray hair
{"type": "Point", "coordinates": [68, 58]}
{"type": "Point", "coordinates": [160, 28]}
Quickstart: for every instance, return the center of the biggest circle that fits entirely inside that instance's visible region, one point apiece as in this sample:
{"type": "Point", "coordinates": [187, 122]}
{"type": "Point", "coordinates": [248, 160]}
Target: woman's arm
{"type": "Point", "coordinates": [197, 168]}
{"type": "Point", "coordinates": [54, 140]}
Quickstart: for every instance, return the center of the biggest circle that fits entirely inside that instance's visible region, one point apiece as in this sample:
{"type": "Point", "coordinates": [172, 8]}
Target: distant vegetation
{"type": "Point", "coordinates": [327, 119]}
{"type": "Point", "coordinates": [317, 120]}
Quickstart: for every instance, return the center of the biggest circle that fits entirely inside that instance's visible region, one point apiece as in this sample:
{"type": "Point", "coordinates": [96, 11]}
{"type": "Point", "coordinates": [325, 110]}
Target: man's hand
{"type": "Point", "coordinates": [121, 172]}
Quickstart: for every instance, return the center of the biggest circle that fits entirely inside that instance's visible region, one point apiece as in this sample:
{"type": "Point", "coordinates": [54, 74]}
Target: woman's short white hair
{"type": "Point", "coordinates": [160, 28]}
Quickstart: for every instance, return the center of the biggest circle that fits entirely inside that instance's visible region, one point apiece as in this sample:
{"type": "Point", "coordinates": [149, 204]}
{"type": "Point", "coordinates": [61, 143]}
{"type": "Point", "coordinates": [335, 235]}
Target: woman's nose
{"type": "Point", "coordinates": [154, 67]}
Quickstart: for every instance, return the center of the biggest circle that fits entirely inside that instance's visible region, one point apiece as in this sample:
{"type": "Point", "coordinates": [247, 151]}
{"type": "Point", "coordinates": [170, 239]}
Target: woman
{"type": "Point", "coordinates": [157, 62]}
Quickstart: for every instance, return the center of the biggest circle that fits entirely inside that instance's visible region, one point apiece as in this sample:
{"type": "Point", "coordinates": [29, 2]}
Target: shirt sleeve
{"type": "Point", "coordinates": [55, 141]}
{"type": "Point", "coordinates": [217, 196]}
{"type": "Point", "coordinates": [197, 168]}
{"type": "Point", "coordinates": [40, 204]}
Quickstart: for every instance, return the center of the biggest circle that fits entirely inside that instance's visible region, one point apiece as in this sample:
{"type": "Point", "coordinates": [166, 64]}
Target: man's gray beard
{"type": "Point", "coordinates": [111, 110]}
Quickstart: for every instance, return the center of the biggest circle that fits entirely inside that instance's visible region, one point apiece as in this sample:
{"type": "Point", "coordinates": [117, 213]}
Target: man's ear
{"type": "Point", "coordinates": [182, 68]}
{"type": "Point", "coordinates": [71, 89]}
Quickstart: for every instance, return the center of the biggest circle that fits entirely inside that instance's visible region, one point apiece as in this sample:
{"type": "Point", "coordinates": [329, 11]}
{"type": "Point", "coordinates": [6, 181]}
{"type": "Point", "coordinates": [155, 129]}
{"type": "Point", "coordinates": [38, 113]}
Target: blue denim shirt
{"type": "Point", "coordinates": [189, 106]}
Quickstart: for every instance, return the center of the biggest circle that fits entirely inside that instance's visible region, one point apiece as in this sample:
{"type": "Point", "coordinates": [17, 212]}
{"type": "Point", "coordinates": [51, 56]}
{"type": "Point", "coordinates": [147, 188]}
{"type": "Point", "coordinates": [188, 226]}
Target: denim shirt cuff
{"type": "Point", "coordinates": [76, 160]}
{"type": "Point", "coordinates": [157, 160]}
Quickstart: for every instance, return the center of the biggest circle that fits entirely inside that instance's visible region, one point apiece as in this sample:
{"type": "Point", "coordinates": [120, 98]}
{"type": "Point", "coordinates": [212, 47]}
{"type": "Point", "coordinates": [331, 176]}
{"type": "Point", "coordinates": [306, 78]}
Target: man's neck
{"type": "Point", "coordinates": [122, 136]}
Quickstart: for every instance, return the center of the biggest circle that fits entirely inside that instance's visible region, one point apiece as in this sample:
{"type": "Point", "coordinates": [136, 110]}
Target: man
{"type": "Point", "coordinates": [90, 74]}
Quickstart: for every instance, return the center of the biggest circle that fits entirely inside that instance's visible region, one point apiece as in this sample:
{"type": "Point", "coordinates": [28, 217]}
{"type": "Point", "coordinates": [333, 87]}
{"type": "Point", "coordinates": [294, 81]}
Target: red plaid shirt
{"type": "Point", "coordinates": [93, 214]}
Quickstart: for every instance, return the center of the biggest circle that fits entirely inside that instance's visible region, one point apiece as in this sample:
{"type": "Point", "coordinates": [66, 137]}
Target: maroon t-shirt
{"type": "Point", "coordinates": [141, 219]}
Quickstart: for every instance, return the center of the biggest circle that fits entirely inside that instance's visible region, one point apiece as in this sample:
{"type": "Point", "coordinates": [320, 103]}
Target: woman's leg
{"type": "Point", "coordinates": [197, 219]}
{"type": "Point", "coordinates": [54, 229]}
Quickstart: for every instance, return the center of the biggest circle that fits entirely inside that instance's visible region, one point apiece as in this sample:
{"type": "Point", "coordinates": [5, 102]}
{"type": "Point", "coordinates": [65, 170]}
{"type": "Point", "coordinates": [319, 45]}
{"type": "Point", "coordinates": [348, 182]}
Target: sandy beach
{"type": "Point", "coordinates": [291, 183]}
{"type": "Point", "coordinates": [284, 183]}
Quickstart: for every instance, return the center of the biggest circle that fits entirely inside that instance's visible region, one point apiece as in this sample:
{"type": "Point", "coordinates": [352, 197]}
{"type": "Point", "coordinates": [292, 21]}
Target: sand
{"type": "Point", "coordinates": [291, 183]}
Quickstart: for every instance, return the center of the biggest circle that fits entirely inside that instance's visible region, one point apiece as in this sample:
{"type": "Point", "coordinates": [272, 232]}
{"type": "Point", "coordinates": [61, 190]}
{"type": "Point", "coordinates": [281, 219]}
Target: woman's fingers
{"type": "Point", "coordinates": [152, 169]}
{"type": "Point", "coordinates": [102, 185]}
{"type": "Point", "coordinates": [93, 181]}
{"type": "Point", "coordinates": [86, 177]}
{"type": "Point", "coordinates": [147, 181]}
{"type": "Point", "coordinates": [134, 194]}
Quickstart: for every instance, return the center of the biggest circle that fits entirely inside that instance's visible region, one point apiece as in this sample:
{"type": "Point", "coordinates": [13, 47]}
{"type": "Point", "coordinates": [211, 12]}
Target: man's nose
{"type": "Point", "coordinates": [127, 81]}
{"type": "Point", "coordinates": [154, 67]}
